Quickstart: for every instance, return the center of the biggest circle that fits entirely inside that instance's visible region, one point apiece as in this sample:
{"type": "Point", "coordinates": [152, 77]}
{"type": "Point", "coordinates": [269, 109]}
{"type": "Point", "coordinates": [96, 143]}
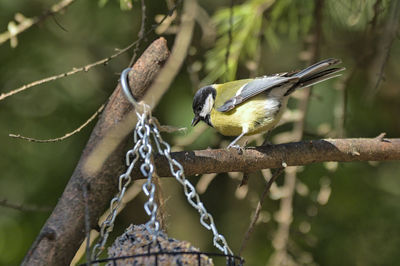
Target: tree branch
{"type": "Point", "coordinates": [273, 156]}
{"type": "Point", "coordinates": [257, 212]}
{"type": "Point", "coordinates": [66, 135]}
{"type": "Point", "coordinates": [24, 207]}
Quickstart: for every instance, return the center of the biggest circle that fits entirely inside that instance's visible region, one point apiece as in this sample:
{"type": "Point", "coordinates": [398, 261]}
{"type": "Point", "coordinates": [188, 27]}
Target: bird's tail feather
{"type": "Point", "coordinates": [320, 76]}
{"type": "Point", "coordinates": [318, 67]}
{"type": "Point", "coordinates": [316, 73]}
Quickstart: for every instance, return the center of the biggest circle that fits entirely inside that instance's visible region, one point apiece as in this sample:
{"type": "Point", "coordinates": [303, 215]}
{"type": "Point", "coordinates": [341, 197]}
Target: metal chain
{"type": "Point", "coordinates": [145, 127]}
{"type": "Point", "coordinates": [191, 194]}
{"type": "Point", "coordinates": [147, 169]}
{"type": "Point", "coordinates": [142, 149]}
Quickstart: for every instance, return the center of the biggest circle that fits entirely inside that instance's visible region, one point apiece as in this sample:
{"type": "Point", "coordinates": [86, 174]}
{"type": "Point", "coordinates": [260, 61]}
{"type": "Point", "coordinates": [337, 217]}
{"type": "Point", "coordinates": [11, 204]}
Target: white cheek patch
{"type": "Point", "coordinates": [208, 104]}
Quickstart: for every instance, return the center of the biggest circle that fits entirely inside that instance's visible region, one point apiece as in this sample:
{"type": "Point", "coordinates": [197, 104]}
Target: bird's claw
{"type": "Point", "coordinates": [237, 147]}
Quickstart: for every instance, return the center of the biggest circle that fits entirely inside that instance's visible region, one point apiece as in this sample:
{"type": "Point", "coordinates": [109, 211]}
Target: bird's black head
{"type": "Point", "coordinates": [203, 102]}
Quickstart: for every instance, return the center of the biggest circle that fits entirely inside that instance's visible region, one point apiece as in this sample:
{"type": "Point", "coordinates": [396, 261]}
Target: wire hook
{"type": "Point", "coordinates": [125, 86]}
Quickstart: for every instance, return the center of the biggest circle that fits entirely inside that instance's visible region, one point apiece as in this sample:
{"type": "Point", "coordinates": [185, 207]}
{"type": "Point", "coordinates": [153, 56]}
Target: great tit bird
{"type": "Point", "coordinates": [252, 106]}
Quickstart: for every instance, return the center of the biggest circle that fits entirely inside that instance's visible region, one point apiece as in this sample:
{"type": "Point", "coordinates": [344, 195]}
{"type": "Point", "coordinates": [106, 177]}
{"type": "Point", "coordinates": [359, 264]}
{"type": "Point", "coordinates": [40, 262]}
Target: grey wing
{"type": "Point", "coordinates": [255, 87]}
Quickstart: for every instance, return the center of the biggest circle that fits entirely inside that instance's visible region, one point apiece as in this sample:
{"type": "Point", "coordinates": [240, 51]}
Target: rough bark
{"type": "Point", "coordinates": [290, 154]}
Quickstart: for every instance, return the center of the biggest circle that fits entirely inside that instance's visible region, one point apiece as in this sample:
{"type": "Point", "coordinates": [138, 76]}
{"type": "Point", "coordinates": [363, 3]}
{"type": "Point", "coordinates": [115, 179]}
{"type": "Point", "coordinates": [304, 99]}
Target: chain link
{"type": "Point", "coordinates": [143, 150]}
{"type": "Point", "coordinates": [191, 194]}
{"type": "Point", "coordinates": [145, 128]}
{"type": "Point", "coordinates": [147, 170]}
{"type": "Point", "coordinates": [124, 180]}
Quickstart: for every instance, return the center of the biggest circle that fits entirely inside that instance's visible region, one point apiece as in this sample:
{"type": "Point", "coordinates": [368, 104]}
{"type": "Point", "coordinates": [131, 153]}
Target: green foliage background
{"type": "Point", "coordinates": [359, 225]}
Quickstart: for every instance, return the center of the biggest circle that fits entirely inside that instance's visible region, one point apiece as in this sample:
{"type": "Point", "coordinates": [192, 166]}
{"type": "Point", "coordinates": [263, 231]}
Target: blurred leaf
{"type": "Point", "coordinates": [292, 18]}
{"type": "Point", "coordinates": [246, 26]}
{"type": "Point", "coordinates": [271, 38]}
{"type": "Point", "coordinates": [126, 4]}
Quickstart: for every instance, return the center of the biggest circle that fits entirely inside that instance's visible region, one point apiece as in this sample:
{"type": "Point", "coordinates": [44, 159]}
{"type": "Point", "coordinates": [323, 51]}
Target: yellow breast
{"type": "Point", "coordinates": [254, 116]}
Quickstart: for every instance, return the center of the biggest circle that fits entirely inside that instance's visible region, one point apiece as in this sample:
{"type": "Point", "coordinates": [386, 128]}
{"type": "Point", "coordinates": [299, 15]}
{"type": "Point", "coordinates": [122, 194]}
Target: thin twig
{"type": "Point", "coordinates": [23, 207]}
{"type": "Point", "coordinates": [341, 115]}
{"type": "Point", "coordinates": [160, 200]}
{"type": "Point", "coordinates": [140, 34]}
{"type": "Point", "coordinates": [26, 23]}
{"type": "Point", "coordinates": [58, 23]}
{"type": "Point", "coordinates": [69, 134]}
{"type": "Point", "coordinates": [85, 68]}
{"type": "Point", "coordinates": [253, 222]}
{"type": "Point", "coordinates": [386, 43]}
{"type": "Point", "coordinates": [228, 48]}
{"type": "Point", "coordinates": [377, 8]}
{"type": "Point", "coordinates": [169, 14]}
{"type": "Point", "coordinates": [186, 140]}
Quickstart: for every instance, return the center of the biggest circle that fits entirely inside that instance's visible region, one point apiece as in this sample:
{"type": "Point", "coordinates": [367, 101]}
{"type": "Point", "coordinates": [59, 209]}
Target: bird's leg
{"type": "Point", "coordinates": [266, 139]}
{"type": "Point", "coordinates": [233, 143]}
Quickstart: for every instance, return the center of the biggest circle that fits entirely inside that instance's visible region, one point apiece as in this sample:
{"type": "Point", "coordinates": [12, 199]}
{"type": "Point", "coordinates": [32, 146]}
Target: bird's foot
{"type": "Point", "coordinates": [237, 147]}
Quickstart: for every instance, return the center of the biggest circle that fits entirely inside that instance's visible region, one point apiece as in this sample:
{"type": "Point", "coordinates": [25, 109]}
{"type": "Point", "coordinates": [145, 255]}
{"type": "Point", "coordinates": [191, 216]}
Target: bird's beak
{"type": "Point", "coordinates": [195, 120]}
